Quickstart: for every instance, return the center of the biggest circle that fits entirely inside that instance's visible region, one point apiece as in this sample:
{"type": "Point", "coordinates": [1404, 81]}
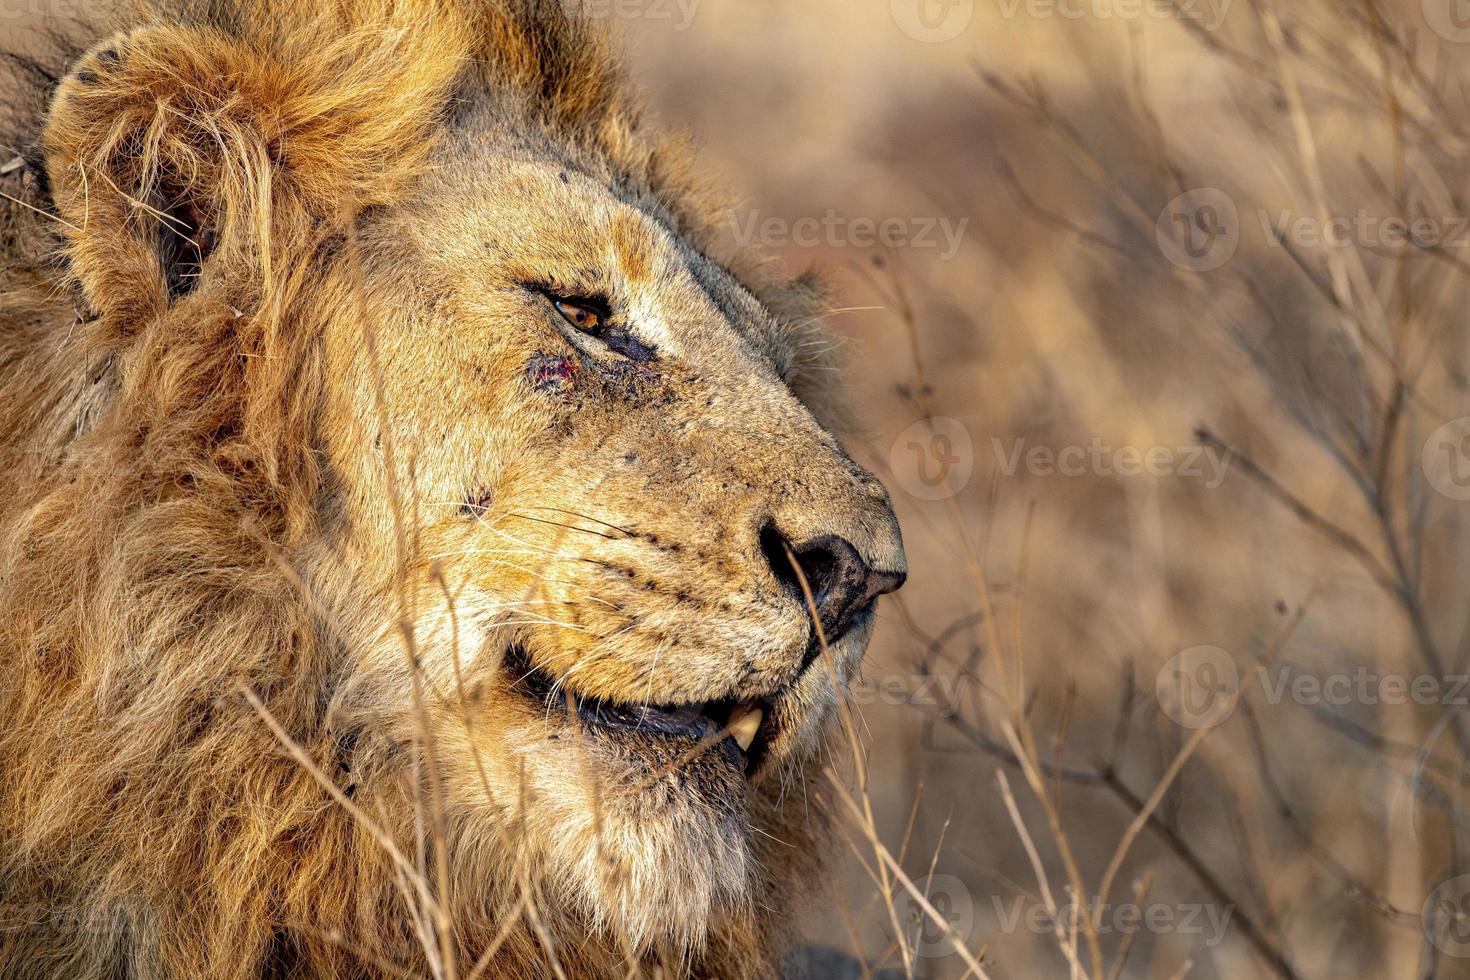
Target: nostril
{"type": "Point", "coordinates": [841, 582]}
{"type": "Point", "coordinates": [774, 547]}
{"type": "Point", "coordinates": [820, 565]}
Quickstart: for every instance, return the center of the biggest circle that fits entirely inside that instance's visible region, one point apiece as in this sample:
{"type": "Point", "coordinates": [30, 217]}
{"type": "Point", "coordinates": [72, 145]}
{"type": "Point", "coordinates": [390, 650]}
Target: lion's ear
{"type": "Point", "coordinates": [175, 153]}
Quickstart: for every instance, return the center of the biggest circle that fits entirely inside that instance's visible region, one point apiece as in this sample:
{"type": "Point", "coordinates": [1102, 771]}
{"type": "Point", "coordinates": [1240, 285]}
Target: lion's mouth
{"type": "Point", "coordinates": [741, 731]}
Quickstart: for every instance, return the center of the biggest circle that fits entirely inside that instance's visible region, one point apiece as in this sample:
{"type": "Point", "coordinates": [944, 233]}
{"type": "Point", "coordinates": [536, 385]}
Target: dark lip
{"type": "Point", "coordinates": [693, 723]}
{"type": "Point", "coordinates": [859, 622]}
{"type": "Point", "coordinates": [648, 721]}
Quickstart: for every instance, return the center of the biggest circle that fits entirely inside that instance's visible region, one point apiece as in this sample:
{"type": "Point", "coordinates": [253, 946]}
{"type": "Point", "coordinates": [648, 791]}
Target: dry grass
{"type": "Point", "coordinates": [1043, 607]}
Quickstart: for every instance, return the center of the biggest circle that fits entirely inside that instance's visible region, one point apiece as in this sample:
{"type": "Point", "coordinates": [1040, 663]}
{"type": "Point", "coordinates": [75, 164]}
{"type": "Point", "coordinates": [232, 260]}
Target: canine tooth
{"type": "Point", "coordinates": [744, 726]}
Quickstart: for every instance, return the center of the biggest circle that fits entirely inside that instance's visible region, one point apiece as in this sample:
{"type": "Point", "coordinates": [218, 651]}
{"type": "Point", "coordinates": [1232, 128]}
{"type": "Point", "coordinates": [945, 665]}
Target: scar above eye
{"type": "Point", "coordinates": [548, 371]}
{"type": "Point", "coordinates": [477, 504]}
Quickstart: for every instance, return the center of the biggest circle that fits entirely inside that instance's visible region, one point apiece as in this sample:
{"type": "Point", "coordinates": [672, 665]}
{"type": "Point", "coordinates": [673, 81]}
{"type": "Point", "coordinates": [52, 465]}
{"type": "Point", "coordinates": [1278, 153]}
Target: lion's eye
{"type": "Point", "coordinates": [584, 314]}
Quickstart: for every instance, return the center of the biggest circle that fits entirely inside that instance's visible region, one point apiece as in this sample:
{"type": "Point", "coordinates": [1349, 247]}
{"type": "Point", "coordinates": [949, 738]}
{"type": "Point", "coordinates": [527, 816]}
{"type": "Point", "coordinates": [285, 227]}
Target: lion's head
{"type": "Point", "coordinates": [384, 428]}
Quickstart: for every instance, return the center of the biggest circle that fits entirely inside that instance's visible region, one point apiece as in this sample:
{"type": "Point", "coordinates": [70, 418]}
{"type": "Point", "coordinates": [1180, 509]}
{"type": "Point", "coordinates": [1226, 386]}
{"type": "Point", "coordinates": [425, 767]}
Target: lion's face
{"type": "Point", "coordinates": [600, 475]}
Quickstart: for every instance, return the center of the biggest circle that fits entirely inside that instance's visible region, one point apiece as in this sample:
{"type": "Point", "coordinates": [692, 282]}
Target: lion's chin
{"type": "Point", "coordinates": [642, 836]}
{"type": "Point", "coordinates": [647, 858]}
{"type": "Point", "coordinates": [659, 878]}
{"type": "Point", "coordinates": [636, 820]}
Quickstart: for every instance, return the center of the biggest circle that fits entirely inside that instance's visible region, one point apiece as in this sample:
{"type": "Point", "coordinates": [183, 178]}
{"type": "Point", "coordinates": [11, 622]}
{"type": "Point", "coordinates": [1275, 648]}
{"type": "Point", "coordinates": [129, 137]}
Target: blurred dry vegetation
{"type": "Point", "coordinates": [1043, 607]}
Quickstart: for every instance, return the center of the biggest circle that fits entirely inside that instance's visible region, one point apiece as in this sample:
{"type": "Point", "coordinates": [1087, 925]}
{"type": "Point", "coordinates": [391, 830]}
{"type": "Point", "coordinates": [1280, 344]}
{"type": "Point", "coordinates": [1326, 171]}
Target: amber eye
{"type": "Point", "coordinates": [582, 314]}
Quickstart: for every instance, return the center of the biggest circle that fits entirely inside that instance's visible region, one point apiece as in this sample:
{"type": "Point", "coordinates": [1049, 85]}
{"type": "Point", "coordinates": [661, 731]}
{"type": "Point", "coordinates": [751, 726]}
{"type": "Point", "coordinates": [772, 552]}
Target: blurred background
{"type": "Point", "coordinates": [1154, 320]}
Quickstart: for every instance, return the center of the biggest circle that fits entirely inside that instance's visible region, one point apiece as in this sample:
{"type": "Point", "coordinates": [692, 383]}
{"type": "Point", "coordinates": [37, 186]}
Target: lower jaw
{"type": "Point", "coordinates": [632, 730]}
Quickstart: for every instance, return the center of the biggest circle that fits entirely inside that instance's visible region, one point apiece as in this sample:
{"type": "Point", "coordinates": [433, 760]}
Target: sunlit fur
{"type": "Point", "coordinates": [348, 465]}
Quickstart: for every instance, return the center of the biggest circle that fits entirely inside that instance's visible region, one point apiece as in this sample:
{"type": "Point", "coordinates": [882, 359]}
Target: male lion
{"type": "Point", "coordinates": [412, 538]}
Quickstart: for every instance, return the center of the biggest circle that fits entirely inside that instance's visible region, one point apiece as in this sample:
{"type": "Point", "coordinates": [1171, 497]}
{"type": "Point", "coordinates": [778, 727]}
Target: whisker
{"type": "Point", "coordinates": [653, 670]}
{"type": "Point", "coordinates": [497, 551]}
{"type": "Point", "coordinates": [588, 517]}
{"type": "Point", "coordinates": [542, 621]}
{"type": "Point", "coordinates": [594, 651]}
{"type": "Point", "coordinates": [569, 527]}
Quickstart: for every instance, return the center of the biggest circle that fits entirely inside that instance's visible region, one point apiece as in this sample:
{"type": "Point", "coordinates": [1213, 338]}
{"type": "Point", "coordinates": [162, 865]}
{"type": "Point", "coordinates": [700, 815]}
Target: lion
{"type": "Point", "coordinates": [422, 556]}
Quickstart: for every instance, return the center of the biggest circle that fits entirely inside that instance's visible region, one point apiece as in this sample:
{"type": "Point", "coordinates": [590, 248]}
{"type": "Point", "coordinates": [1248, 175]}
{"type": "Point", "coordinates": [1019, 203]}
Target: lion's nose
{"type": "Point", "coordinates": [841, 582]}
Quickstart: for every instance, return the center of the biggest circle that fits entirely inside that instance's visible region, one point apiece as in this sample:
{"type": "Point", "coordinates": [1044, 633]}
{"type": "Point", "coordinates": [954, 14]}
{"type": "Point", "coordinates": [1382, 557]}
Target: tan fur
{"type": "Point", "coordinates": [333, 471]}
